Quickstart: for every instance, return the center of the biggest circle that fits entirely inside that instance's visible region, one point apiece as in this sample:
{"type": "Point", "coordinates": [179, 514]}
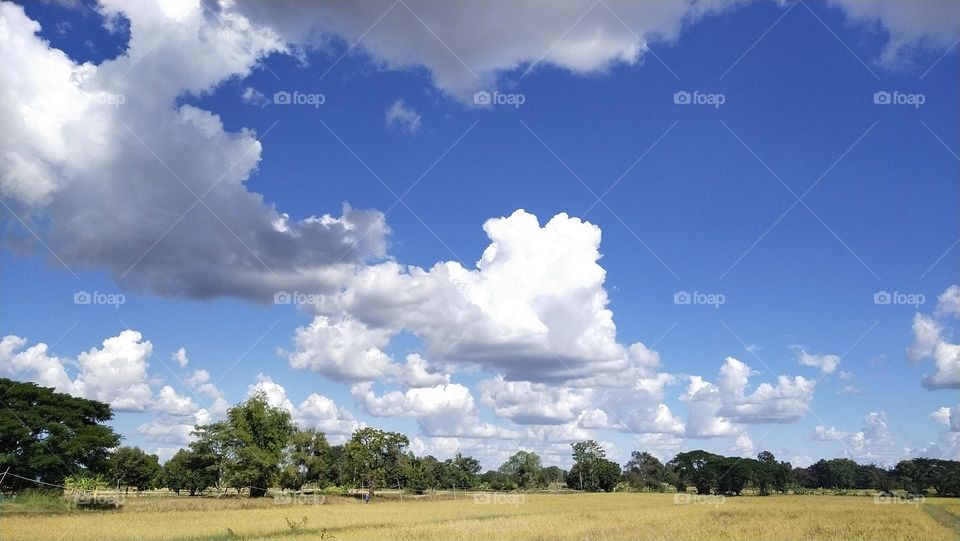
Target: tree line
{"type": "Point", "coordinates": [50, 437]}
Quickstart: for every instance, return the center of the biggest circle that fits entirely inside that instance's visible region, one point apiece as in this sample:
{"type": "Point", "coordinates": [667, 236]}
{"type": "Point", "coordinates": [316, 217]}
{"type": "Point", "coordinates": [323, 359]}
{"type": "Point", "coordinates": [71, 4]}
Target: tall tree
{"type": "Point", "coordinates": [523, 469]}
{"type": "Point", "coordinates": [132, 467]}
{"type": "Point", "coordinates": [259, 433]}
{"type": "Point", "coordinates": [644, 471]}
{"type": "Point", "coordinates": [46, 435]}
{"type": "Point", "coordinates": [374, 456]}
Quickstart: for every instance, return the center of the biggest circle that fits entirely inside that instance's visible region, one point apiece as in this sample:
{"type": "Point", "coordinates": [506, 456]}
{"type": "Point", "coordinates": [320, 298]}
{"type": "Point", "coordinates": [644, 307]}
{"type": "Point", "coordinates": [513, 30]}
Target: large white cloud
{"type": "Point", "coordinates": [466, 46]}
{"type": "Point", "coordinates": [152, 192]}
{"type": "Point", "coordinates": [446, 410]}
{"type": "Point", "coordinates": [534, 308]}
{"type": "Point", "coordinates": [723, 408]}
{"type": "Point", "coordinates": [115, 373]}
{"type": "Point", "coordinates": [929, 342]}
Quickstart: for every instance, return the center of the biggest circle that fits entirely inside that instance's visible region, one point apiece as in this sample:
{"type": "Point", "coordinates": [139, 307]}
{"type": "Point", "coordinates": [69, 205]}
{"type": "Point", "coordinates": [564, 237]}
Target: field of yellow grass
{"type": "Point", "coordinates": [534, 516]}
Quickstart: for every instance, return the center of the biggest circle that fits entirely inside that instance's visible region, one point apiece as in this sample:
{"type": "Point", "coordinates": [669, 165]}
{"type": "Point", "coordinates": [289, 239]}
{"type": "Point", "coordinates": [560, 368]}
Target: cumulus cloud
{"type": "Point", "coordinates": [721, 409]}
{"type": "Point", "coordinates": [873, 442]}
{"type": "Point", "coordinates": [931, 23]}
{"type": "Point", "coordinates": [446, 410]}
{"type": "Point", "coordinates": [949, 417]}
{"type": "Point", "coordinates": [828, 433]}
{"type": "Point", "coordinates": [534, 308]}
{"type": "Point", "coordinates": [399, 115]}
{"type": "Point", "coordinates": [929, 342]}
{"type": "Point", "coordinates": [317, 411]}
{"type": "Point", "coordinates": [466, 47]}
{"type": "Point", "coordinates": [113, 175]}
{"type": "Point", "coordinates": [180, 357]}
{"type": "Point", "coordinates": [116, 373]}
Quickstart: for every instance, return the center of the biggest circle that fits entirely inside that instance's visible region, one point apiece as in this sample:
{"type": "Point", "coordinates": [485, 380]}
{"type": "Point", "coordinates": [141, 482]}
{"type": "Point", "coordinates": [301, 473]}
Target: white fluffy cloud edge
{"type": "Point", "coordinates": [532, 316]}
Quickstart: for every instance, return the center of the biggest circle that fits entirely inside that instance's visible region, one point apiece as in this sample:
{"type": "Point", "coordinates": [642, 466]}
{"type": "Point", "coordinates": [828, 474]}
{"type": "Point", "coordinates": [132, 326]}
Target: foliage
{"type": "Point", "coordinates": [46, 435]}
{"type": "Point", "coordinates": [374, 456]}
{"type": "Point", "coordinates": [131, 467]}
{"type": "Point", "coordinates": [522, 469]}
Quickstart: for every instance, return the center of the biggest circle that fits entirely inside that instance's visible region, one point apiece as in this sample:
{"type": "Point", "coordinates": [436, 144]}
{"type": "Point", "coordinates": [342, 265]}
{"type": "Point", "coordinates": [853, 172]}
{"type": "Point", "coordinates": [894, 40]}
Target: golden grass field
{"type": "Point", "coordinates": [533, 516]}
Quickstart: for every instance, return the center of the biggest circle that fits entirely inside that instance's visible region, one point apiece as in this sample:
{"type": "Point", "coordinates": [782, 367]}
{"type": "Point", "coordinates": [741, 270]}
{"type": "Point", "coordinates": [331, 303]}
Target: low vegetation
{"type": "Point", "coordinates": [257, 475]}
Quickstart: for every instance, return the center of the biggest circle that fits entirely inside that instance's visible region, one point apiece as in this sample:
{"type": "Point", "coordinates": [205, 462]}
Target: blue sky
{"type": "Point", "coordinates": [695, 198]}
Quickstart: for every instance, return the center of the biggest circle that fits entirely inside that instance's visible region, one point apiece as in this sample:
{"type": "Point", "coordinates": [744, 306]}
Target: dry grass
{"type": "Point", "coordinates": [540, 516]}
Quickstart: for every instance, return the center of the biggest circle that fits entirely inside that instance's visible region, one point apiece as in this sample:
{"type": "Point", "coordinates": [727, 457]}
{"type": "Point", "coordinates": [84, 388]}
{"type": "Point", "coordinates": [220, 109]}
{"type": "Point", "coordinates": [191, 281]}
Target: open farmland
{"type": "Point", "coordinates": [507, 517]}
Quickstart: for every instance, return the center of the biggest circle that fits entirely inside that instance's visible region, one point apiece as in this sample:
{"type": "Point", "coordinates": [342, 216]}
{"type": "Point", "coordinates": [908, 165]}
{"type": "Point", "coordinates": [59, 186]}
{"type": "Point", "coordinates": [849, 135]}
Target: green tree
{"type": "Point", "coordinates": [258, 435]}
{"type": "Point", "coordinates": [189, 471]}
{"type": "Point", "coordinates": [132, 467]}
{"type": "Point", "coordinates": [461, 471]}
{"type": "Point", "coordinates": [588, 457]}
{"type": "Point", "coordinates": [47, 436]}
{"type": "Point", "coordinates": [374, 456]}
{"type": "Point", "coordinates": [523, 469]}
{"type": "Point", "coordinates": [696, 468]}
{"type": "Point", "coordinates": [310, 456]}
{"type": "Point", "coordinates": [644, 471]}
{"type": "Point", "coordinates": [213, 443]}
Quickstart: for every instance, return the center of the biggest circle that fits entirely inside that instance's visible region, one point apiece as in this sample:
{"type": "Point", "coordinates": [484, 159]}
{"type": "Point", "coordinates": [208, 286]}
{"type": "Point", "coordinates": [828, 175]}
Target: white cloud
{"type": "Point", "coordinates": [873, 443]}
{"type": "Point", "coordinates": [446, 410]}
{"type": "Point", "coordinates": [929, 342]}
{"type": "Point", "coordinates": [180, 357]}
{"type": "Point", "coordinates": [469, 46]}
{"type": "Point", "coordinates": [933, 23]}
{"type": "Point", "coordinates": [949, 417]}
{"type": "Point", "coordinates": [252, 96]}
{"type": "Point", "coordinates": [948, 303]}
{"type": "Point", "coordinates": [80, 156]}
{"type": "Point", "coordinates": [316, 411]}
{"type": "Point", "coordinates": [115, 374]}
{"type": "Point", "coordinates": [825, 363]}
{"type": "Point", "coordinates": [828, 433]}
{"type": "Point", "coordinates": [524, 402]}
{"type": "Point", "coordinates": [533, 309]}
{"type": "Point", "coordinates": [403, 117]}
{"type": "Point", "coordinates": [721, 409]}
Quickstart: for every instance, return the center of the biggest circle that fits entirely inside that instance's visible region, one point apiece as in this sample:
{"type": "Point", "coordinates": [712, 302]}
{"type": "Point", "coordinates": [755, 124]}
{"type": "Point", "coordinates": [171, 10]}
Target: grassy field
{"type": "Point", "coordinates": [520, 517]}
